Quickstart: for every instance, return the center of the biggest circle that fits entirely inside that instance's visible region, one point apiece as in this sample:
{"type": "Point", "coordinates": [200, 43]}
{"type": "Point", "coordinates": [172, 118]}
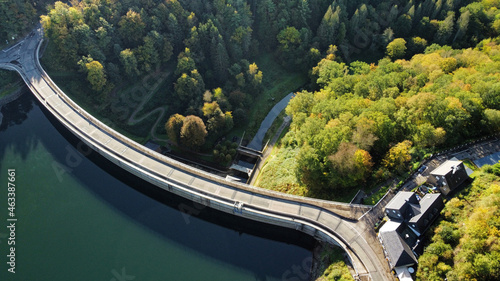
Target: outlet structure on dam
{"type": "Point", "coordinates": [314, 217]}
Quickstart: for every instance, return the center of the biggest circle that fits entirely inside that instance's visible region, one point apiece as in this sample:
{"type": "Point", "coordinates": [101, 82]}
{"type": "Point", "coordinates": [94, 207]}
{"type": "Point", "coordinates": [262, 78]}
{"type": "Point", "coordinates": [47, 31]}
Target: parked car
{"type": "Point", "coordinates": [422, 169]}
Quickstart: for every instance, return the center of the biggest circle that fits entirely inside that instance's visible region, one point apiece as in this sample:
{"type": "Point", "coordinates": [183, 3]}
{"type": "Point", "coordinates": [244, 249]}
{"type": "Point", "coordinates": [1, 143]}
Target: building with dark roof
{"type": "Point", "coordinates": [426, 212]}
{"type": "Point", "coordinates": [399, 208]}
{"type": "Point", "coordinates": [448, 176]}
{"type": "Point", "coordinates": [409, 219]}
{"type": "Point", "coordinates": [397, 241]}
{"type": "Point", "coordinates": [405, 207]}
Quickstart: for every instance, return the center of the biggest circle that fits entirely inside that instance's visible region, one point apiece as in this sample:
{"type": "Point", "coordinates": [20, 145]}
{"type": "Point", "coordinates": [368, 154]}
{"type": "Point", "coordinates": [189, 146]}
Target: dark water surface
{"type": "Point", "coordinates": [79, 217]}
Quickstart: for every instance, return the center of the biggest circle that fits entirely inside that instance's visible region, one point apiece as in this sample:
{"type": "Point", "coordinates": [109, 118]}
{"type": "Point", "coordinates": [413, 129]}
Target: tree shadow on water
{"type": "Point", "coordinates": [14, 114]}
{"type": "Point", "coordinates": [175, 218]}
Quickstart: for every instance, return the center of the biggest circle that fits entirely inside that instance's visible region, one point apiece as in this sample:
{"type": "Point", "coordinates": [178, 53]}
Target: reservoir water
{"type": "Point", "coordinates": [80, 217]}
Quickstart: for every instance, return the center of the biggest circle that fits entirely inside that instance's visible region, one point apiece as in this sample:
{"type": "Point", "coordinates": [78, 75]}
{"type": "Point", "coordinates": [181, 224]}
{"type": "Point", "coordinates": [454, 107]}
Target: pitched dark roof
{"type": "Point", "coordinates": [427, 203]}
{"type": "Point", "coordinates": [415, 210]}
{"type": "Point", "coordinates": [398, 252]}
{"type": "Point", "coordinates": [400, 199]}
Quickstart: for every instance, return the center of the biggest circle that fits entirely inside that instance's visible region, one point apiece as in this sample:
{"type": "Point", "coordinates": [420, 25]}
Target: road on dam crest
{"type": "Point", "coordinates": [312, 216]}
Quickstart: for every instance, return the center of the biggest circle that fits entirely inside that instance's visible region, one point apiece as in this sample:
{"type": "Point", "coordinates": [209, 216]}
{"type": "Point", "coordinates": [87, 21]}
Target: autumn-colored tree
{"type": "Point", "coordinates": [17, 16]}
{"type": "Point", "coordinates": [185, 63]}
{"type": "Point", "coordinates": [289, 38]}
{"type": "Point", "coordinates": [398, 156]}
{"type": "Point", "coordinates": [351, 164]}
{"type": "Point", "coordinates": [147, 55]}
{"type": "Point", "coordinates": [465, 244]}
{"type": "Point", "coordinates": [427, 135]}
{"type": "Point", "coordinates": [96, 75]}
{"type": "Point", "coordinates": [326, 70]}
{"type": "Point", "coordinates": [448, 64]}
{"type": "Point", "coordinates": [416, 45]}
{"type": "Point", "coordinates": [193, 132]}
{"type": "Point", "coordinates": [309, 171]}
{"type": "Point", "coordinates": [254, 76]}
{"type": "Point", "coordinates": [210, 109]}
{"type": "Point", "coordinates": [217, 121]}
{"type": "Point", "coordinates": [492, 119]}
{"type": "Point", "coordinates": [397, 48]}
{"type": "Point", "coordinates": [173, 127]}
{"type": "Point", "coordinates": [189, 87]}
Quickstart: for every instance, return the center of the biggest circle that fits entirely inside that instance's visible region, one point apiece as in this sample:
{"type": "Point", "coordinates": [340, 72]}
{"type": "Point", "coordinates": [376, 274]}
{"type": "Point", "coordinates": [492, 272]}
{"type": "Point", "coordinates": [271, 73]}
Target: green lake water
{"type": "Point", "coordinates": [82, 218]}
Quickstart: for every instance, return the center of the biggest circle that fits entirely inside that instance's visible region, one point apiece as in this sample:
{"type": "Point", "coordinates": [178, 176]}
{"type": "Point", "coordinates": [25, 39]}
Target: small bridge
{"type": "Point", "coordinates": [318, 218]}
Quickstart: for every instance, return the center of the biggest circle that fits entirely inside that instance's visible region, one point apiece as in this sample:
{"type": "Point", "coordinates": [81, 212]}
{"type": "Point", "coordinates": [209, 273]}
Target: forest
{"type": "Point", "coordinates": [367, 121]}
{"type": "Point", "coordinates": [363, 123]}
{"type": "Point", "coordinates": [15, 18]}
{"type": "Point", "coordinates": [214, 45]}
{"type": "Point", "coordinates": [465, 244]}
{"type": "Point", "coordinates": [389, 83]}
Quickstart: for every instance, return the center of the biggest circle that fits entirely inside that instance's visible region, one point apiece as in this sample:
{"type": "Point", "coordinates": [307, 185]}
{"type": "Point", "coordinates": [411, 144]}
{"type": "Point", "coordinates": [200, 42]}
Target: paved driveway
{"type": "Point", "coordinates": [256, 142]}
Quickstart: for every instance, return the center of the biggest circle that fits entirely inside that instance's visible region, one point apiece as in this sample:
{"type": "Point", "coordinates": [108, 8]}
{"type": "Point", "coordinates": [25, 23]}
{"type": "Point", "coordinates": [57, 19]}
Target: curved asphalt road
{"type": "Point", "coordinates": [304, 214]}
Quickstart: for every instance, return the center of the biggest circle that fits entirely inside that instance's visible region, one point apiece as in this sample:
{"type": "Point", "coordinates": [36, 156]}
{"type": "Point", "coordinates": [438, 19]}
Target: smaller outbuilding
{"type": "Point", "coordinates": [448, 176]}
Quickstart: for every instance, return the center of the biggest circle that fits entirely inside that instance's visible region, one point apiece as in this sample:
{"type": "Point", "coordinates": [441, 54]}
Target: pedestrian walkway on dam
{"type": "Point", "coordinates": [304, 214]}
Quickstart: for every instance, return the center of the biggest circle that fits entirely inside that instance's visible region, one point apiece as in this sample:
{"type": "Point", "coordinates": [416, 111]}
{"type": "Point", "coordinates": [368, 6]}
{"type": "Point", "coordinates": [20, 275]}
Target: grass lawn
{"type": "Point", "coordinates": [470, 164]}
{"type": "Point", "coordinates": [278, 173]}
{"type": "Point", "coordinates": [375, 197]}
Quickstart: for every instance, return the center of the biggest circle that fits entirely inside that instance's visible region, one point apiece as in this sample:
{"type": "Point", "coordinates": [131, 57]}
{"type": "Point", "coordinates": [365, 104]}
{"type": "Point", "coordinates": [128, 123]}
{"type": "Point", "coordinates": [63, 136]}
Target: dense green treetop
{"type": "Point", "coordinates": [371, 106]}
{"type": "Point", "coordinates": [224, 32]}
{"type": "Point", "coordinates": [15, 18]}
{"type": "Point", "coordinates": [390, 110]}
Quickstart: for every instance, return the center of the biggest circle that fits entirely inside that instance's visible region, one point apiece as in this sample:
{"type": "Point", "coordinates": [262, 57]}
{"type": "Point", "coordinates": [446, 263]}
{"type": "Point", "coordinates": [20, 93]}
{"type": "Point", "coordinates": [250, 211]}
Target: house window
{"type": "Point", "coordinates": [399, 215]}
{"type": "Point", "coordinates": [394, 211]}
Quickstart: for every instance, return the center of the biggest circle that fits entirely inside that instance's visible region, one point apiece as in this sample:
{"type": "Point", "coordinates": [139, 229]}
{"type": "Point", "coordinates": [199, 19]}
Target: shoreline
{"type": "Point", "coordinates": [14, 95]}
{"type": "Point", "coordinates": [324, 256]}
{"type": "Point", "coordinates": [10, 98]}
